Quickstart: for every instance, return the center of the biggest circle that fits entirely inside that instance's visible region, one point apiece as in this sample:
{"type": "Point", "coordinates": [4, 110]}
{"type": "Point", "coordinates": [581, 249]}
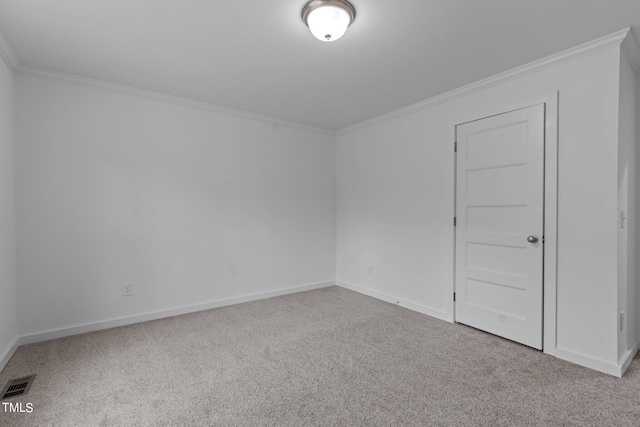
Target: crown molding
{"type": "Point", "coordinates": [631, 49]}
{"type": "Point", "coordinates": [568, 55]}
{"type": "Point", "coordinates": [624, 38]}
{"type": "Point", "coordinates": [169, 99]}
{"type": "Point", "coordinates": [8, 55]}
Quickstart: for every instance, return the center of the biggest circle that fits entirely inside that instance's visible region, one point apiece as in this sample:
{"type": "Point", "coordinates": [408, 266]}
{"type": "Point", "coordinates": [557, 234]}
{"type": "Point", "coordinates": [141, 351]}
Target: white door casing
{"type": "Point", "coordinates": [499, 205]}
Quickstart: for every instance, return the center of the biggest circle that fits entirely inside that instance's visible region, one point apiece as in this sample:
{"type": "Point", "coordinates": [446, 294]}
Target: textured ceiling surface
{"type": "Point", "coordinates": [258, 56]}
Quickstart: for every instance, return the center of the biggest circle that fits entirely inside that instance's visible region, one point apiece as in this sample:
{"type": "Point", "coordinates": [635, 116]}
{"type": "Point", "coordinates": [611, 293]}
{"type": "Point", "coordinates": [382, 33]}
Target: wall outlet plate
{"type": "Point", "coordinates": [127, 289]}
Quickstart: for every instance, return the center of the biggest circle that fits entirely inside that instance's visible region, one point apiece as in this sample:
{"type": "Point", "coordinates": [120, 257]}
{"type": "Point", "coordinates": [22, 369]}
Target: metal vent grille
{"type": "Point", "coordinates": [17, 387]}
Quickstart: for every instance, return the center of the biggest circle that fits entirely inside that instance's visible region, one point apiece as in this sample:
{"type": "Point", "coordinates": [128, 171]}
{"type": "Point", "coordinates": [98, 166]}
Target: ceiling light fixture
{"type": "Point", "coordinates": [328, 19]}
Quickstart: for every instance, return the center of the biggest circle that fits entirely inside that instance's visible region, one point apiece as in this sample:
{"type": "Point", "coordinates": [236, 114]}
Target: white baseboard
{"type": "Point", "coordinates": [627, 358]}
{"type": "Point", "coordinates": [613, 369]}
{"type": "Point", "coordinates": [8, 352]}
{"type": "Point", "coordinates": [616, 370]}
{"type": "Point", "coordinates": [438, 314]}
{"type": "Point", "coordinates": [122, 321]}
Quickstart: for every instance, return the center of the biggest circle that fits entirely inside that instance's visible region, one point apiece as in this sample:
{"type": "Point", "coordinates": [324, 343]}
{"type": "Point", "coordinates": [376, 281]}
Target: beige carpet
{"type": "Point", "coordinates": [318, 358]}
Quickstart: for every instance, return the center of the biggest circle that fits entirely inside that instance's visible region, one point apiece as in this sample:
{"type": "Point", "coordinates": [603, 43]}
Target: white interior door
{"type": "Point", "coordinates": [499, 210]}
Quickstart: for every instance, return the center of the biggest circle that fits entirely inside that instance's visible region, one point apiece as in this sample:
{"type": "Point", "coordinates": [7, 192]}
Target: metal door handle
{"type": "Point", "coordinates": [532, 239]}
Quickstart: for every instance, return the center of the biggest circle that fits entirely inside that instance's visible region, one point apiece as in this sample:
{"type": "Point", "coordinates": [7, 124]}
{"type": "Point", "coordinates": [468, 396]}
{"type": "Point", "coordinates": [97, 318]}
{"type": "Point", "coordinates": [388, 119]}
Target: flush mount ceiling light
{"type": "Point", "coordinates": [328, 19]}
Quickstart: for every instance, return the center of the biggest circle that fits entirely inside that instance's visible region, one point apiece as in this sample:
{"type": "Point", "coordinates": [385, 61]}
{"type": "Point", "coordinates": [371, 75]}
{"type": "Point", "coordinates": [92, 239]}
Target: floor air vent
{"type": "Point", "coordinates": [17, 387]}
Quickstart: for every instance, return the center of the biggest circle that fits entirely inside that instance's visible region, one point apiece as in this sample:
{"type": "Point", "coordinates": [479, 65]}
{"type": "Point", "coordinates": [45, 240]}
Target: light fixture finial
{"type": "Point", "coordinates": [328, 20]}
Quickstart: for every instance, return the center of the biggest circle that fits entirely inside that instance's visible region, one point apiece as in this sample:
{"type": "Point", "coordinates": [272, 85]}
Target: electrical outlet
{"type": "Point", "coordinates": [621, 321]}
{"type": "Point", "coordinates": [370, 270]}
{"type": "Point", "coordinates": [127, 289]}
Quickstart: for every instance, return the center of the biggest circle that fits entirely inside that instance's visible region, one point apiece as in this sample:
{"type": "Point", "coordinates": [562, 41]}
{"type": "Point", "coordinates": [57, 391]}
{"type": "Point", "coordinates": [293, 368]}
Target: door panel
{"type": "Point", "coordinates": [499, 204]}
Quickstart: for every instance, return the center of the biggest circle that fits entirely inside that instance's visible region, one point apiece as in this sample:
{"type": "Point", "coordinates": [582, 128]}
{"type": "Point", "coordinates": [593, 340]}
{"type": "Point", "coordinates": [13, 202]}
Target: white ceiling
{"type": "Point", "coordinates": [258, 56]}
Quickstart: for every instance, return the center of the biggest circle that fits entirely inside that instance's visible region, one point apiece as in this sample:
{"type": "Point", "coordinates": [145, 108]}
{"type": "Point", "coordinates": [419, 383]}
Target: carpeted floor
{"type": "Point", "coordinates": [317, 358]}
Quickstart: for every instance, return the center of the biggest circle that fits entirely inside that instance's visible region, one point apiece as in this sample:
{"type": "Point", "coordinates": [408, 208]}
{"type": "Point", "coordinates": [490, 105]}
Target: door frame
{"type": "Point", "coordinates": [550, 216]}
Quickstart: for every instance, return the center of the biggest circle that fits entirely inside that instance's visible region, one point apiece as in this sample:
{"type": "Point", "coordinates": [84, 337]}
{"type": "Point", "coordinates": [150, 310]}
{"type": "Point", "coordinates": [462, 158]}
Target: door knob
{"type": "Point", "coordinates": [532, 239]}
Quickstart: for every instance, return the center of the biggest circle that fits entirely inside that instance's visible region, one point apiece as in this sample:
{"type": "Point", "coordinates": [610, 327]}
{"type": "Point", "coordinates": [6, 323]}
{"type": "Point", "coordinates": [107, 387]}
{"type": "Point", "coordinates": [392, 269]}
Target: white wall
{"type": "Point", "coordinates": [396, 188]}
{"type": "Point", "coordinates": [627, 203]}
{"type": "Point", "coordinates": [636, 263]}
{"type": "Point", "coordinates": [7, 215]}
{"type": "Point", "coordinates": [190, 205]}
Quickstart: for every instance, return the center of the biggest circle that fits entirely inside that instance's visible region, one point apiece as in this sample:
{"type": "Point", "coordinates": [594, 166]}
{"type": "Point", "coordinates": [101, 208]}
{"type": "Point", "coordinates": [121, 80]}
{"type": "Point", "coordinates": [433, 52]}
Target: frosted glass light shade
{"type": "Point", "coordinates": [328, 23]}
{"type": "Point", "coordinates": [328, 20]}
